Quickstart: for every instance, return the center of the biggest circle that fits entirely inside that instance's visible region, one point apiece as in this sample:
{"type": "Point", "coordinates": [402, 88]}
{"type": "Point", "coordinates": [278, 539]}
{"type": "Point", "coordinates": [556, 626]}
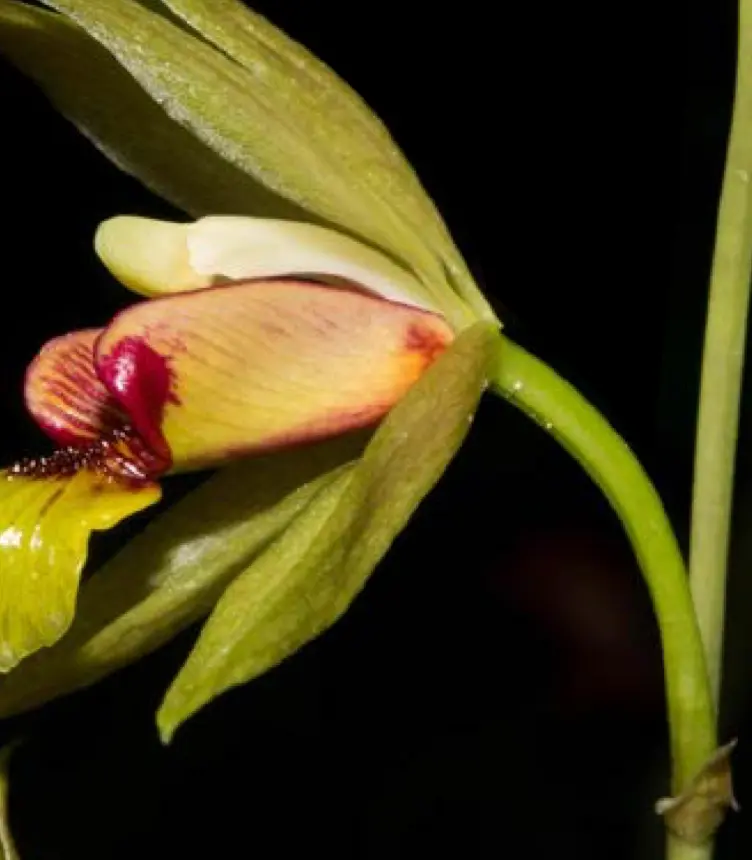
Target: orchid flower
{"type": "Point", "coordinates": [231, 356]}
{"type": "Point", "coordinates": [316, 291]}
{"type": "Point", "coordinates": [342, 304]}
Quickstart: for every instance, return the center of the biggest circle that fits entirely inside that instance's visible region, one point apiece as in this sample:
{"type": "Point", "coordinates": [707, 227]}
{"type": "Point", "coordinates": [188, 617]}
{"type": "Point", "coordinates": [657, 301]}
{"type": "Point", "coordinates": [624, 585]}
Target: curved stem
{"type": "Point", "coordinates": [722, 366]}
{"type": "Point", "coordinates": [562, 411]}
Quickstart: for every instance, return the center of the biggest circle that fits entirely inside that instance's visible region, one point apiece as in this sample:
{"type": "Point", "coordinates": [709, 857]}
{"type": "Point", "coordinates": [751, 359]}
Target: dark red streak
{"type": "Point", "coordinates": [140, 379]}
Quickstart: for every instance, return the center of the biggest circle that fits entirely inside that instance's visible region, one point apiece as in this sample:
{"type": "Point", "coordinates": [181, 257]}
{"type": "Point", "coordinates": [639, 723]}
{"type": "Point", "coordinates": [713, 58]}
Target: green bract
{"type": "Point", "coordinates": [310, 575]}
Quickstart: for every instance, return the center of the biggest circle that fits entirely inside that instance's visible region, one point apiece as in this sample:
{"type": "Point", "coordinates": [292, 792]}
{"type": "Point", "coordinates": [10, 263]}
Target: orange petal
{"type": "Point", "coordinates": [64, 394]}
{"type": "Point", "coordinates": [257, 365]}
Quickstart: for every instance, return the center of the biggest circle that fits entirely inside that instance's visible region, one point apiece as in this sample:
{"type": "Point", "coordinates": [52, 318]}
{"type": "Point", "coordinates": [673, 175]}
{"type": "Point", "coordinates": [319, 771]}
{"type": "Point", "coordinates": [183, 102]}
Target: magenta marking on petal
{"type": "Point", "coordinates": [141, 381]}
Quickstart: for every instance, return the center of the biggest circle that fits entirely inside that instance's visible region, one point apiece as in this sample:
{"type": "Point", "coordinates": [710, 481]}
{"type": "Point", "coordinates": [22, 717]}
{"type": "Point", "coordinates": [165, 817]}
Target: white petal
{"type": "Point", "coordinates": [237, 247]}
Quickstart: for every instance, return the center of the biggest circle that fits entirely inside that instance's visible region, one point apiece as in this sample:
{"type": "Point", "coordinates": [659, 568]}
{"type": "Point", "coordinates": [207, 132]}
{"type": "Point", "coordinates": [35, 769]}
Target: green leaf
{"type": "Point", "coordinates": [92, 89]}
{"type": "Point", "coordinates": [251, 39]}
{"type": "Point", "coordinates": [254, 118]}
{"type": "Point", "coordinates": [307, 578]}
{"type": "Point", "coordinates": [352, 131]}
{"type": "Point", "coordinates": [174, 571]}
{"type": "Point", "coordinates": [8, 849]}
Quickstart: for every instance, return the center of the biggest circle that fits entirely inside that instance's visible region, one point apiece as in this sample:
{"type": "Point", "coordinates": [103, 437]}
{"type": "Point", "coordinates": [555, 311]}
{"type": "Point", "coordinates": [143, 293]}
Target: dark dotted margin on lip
{"type": "Point", "coordinates": [120, 456]}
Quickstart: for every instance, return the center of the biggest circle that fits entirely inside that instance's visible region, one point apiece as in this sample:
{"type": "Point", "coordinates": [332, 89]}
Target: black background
{"type": "Point", "coordinates": [496, 690]}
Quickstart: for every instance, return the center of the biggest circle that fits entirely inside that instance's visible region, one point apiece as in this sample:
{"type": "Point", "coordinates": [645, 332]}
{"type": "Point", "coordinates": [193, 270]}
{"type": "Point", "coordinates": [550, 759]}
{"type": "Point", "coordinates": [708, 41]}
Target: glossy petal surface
{"type": "Point", "coordinates": [260, 365]}
{"type": "Point", "coordinates": [44, 535]}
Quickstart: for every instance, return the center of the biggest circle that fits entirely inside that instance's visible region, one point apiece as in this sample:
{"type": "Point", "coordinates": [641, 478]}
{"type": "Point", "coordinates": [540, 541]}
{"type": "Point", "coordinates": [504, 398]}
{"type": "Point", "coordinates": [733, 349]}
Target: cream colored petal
{"type": "Point", "coordinates": [149, 257]}
{"type": "Point", "coordinates": [238, 248]}
{"type": "Point", "coordinates": [158, 257]}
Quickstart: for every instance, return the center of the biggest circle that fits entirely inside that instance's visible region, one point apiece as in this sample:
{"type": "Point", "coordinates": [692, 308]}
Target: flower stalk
{"type": "Point", "coordinates": [722, 368]}
{"type": "Point", "coordinates": [578, 427]}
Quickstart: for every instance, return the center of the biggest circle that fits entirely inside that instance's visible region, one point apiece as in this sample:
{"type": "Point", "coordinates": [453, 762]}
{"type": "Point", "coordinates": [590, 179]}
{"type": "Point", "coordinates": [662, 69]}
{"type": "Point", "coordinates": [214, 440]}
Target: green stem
{"type": "Point", "coordinates": [7, 846]}
{"type": "Point", "coordinates": [723, 360]}
{"type": "Point", "coordinates": [677, 849]}
{"type": "Point", "coordinates": [562, 411]}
